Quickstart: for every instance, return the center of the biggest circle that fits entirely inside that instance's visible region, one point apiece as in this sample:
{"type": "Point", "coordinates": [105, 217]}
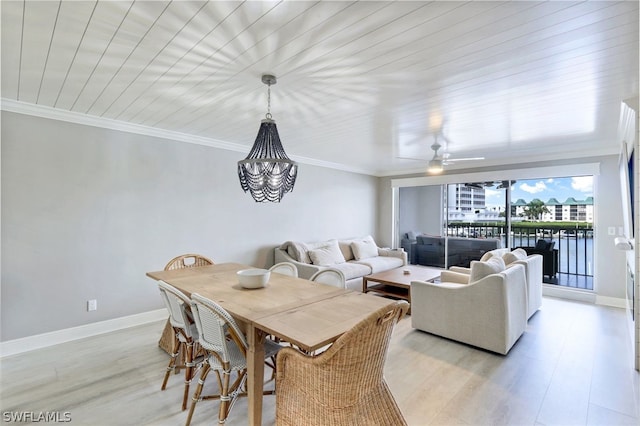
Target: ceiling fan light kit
{"type": "Point", "coordinates": [267, 172]}
{"type": "Point", "coordinates": [435, 166]}
{"type": "Point", "coordinates": [438, 161]}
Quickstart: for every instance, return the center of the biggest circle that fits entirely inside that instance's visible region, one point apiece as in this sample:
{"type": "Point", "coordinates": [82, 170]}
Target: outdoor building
{"type": "Point", "coordinates": [571, 210]}
{"type": "Point", "coordinates": [517, 208]}
{"type": "Point", "coordinates": [466, 204]}
{"type": "Point", "coordinates": [466, 198]}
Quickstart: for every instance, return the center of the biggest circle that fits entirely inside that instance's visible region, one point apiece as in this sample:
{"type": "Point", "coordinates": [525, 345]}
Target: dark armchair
{"type": "Point", "coordinates": [408, 243]}
{"type": "Point", "coordinates": [549, 256]}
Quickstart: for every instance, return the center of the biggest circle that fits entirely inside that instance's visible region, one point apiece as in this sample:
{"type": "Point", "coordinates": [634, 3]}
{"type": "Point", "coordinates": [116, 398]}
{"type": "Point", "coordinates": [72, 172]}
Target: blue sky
{"type": "Point", "coordinates": [558, 188]}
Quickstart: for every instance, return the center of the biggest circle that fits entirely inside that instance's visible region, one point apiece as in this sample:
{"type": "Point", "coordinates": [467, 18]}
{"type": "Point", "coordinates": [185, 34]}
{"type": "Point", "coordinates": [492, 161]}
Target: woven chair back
{"type": "Point", "coordinates": [187, 261]}
{"type": "Point", "coordinates": [360, 354]}
{"type": "Point", "coordinates": [285, 268]}
{"type": "Point", "coordinates": [177, 304]}
{"type": "Point", "coordinates": [214, 324]}
{"type": "Point", "coordinates": [329, 276]}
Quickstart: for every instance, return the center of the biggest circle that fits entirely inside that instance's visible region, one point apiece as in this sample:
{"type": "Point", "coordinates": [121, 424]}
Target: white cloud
{"type": "Point", "coordinates": [538, 187]}
{"type": "Point", "coordinates": [550, 180]}
{"type": "Point", "coordinates": [488, 192]}
{"type": "Point", "coordinates": [582, 183]}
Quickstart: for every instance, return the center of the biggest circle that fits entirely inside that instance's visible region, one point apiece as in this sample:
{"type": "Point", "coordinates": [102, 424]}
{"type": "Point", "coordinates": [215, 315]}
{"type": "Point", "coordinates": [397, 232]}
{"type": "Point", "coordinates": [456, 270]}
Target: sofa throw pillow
{"type": "Point", "coordinates": [327, 255]}
{"type": "Point", "coordinates": [298, 251]}
{"type": "Point", "coordinates": [488, 255]}
{"type": "Point", "coordinates": [509, 258]}
{"type": "Point", "coordinates": [345, 248]}
{"type": "Point", "coordinates": [479, 270]}
{"type": "Point", "coordinates": [520, 253]}
{"type": "Point", "coordinates": [364, 249]}
{"type": "Point", "coordinates": [517, 254]}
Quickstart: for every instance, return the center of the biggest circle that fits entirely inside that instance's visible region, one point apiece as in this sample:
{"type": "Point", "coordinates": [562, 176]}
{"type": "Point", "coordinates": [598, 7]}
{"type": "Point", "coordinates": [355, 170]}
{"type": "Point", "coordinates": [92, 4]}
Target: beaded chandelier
{"type": "Point", "coordinates": [267, 172]}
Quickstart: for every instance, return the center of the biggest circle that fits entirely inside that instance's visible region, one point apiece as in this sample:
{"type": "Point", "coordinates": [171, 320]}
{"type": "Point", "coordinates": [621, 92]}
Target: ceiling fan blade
{"type": "Point", "coordinates": [465, 159]}
{"type": "Point", "coordinates": [474, 185]}
{"type": "Point", "coordinates": [424, 160]}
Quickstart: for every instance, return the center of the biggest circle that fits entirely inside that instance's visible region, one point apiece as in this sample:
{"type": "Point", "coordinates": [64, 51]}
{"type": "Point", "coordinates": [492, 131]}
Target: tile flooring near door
{"type": "Point", "coordinates": [572, 366]}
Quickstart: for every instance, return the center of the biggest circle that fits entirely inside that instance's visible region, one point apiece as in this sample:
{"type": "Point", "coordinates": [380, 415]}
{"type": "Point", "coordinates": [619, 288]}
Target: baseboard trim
{"type": "Point", "coordinates": [615, 302]}
{"type": "Point", "coordinates": [567, 293]}
{"type": "Point", "coordinates": [583, 296]}
{"type": "Point", "coordinates": [38, 341]}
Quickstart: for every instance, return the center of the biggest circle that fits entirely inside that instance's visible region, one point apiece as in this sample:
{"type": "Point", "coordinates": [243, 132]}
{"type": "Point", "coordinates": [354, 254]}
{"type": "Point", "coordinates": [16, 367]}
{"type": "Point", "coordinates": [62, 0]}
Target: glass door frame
{"type": "Point", "coordinates": [508, 174]}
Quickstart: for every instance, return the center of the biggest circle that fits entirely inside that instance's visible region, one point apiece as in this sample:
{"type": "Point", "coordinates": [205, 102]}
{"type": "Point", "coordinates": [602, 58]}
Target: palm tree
{"type": "Point", "coordinates": [535, 209]}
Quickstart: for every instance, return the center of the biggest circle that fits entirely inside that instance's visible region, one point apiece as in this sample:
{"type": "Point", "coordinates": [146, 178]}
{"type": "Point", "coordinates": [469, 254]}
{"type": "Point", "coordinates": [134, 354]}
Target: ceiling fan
{"type": "Point", "coordinates": [437, 163]}
{"type": "Point", "coordinates": [489, 184]}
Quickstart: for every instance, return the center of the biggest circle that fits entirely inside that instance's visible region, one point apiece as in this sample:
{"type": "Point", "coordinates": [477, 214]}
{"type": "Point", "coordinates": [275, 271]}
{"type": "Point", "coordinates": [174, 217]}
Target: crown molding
{"type": "Point", "coordinates": [41, 111]}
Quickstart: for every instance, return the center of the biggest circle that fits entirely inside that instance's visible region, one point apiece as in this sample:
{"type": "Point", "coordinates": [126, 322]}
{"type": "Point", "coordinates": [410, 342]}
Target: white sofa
{"type": "Point", "coordinates": [532, 268]}
{"type": "Point", "coordinates": [490, 313]}
{"type": "Point", "coordinates": [356, 258]}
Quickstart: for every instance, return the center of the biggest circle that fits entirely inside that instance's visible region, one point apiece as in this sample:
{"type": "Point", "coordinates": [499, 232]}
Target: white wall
{"type": "Point", "coordinates": [87, 211]}
{"type": "Point", "coordinates": [610, 264]}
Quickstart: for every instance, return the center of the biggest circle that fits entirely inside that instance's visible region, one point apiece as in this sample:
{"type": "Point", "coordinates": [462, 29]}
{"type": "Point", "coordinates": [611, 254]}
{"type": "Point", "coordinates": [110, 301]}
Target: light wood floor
{"type": "Point", "coordinates": [571, 367]}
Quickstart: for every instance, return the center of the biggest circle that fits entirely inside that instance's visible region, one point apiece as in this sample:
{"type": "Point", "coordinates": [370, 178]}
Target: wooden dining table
{"type": "Point", "coordinates": [307, 314]}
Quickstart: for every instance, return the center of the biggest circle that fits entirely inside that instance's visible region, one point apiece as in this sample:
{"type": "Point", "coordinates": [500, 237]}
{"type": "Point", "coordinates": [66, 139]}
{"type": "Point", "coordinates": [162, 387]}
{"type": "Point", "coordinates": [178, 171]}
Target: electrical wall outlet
{"type": "Point", "coordinates": [92, 305]}
{"type": "Point", "coordinates": [612, 230]}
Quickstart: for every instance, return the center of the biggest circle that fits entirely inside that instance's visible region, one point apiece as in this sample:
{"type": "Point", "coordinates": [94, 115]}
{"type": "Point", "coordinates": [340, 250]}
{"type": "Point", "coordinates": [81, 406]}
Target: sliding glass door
{"type": "Point", "coordinates": [455, 223]}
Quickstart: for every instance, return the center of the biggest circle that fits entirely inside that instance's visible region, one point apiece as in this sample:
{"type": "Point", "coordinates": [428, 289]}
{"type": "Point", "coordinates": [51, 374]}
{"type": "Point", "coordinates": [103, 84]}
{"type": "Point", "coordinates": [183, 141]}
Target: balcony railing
{"type": "Point", "coordinates": [574, 245]}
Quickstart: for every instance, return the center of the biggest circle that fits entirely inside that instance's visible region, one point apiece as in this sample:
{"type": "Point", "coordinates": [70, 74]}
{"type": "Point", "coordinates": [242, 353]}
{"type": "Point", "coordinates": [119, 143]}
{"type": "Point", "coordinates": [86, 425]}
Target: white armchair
{"type": "Point", "coordinates": [532, 270]}
{"type": "Point", "coordinates": [489, 313]}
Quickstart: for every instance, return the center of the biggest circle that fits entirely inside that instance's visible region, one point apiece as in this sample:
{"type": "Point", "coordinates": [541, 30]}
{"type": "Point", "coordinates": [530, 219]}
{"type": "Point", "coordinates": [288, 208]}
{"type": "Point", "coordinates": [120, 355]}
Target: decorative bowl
{"type": "Point", "coordinates": [253, 278]}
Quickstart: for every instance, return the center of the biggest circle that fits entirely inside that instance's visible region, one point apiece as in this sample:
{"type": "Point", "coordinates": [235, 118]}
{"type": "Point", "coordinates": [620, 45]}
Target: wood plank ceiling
{"type": "Point", "coordinates": [359, 83]}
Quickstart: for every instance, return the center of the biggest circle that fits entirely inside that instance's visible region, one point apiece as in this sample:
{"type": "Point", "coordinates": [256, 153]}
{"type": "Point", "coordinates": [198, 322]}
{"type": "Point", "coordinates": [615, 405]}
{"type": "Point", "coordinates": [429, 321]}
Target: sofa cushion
{"type": "Point", "coordinates": [364, 249]}
{"type": "Point", "coordinates": [480, 269]}
{"type": "Point", "coordinates": [380, 263]}
{"type": "Point", "coordinates": [352, 270]}
{"type": "Point", "coordinates": [327, 255]}
{"type": "Point", "coordinates": [429, 240]}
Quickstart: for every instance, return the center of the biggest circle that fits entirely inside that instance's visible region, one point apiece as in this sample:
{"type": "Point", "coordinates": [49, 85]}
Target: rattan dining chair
{"type": "Point", "coordinates": [187, 261]}
{"type": "Point", "coordinates": [286, 268]}
{"type": "Point", "coordinates": [226, 347]}
{"type": "Point", "coordinates": [329, 276]}
{"type": "Point", "coordinates": [179, 262]}
{"type": "Point", "coordinates": [343, 385]}
{"type": "Point", "coordinates": [185, 332]}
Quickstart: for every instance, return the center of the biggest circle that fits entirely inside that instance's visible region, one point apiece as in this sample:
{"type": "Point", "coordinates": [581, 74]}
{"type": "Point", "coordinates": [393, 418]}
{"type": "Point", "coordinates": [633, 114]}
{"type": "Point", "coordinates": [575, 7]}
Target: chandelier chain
{"type": "Point", "coordinates": [268, 115]}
